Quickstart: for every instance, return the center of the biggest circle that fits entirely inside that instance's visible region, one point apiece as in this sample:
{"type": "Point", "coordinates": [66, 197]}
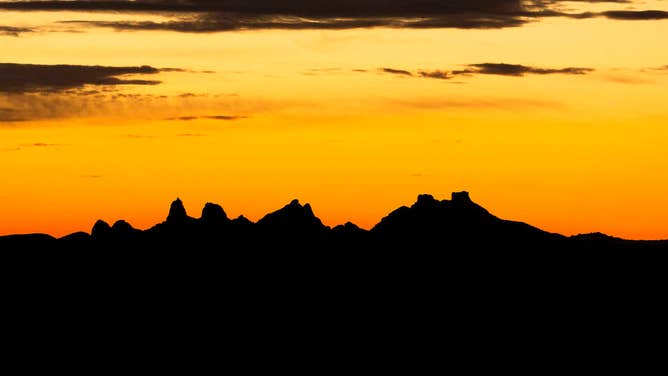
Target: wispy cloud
{"type": "Point", "coordinates": [211, 117]}
{"type": "Point", "coordinates": [41, 145]}
{"type": "Point", "coordinates": [14, 31]}
{"type": "Point", "coordinates": [399, 72]}
{"type": "Point", "coordinates": [501, 69]}
{"type": "Point", "coordinates": [438, 74]}
{"type": "Point", "coordinates": [38, 92]}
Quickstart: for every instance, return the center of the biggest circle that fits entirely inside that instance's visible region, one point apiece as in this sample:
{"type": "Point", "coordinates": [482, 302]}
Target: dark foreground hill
{"type": "Point", "coordinates": [439, 270]}
{"type": "Point", "coordinates": [429, 225]}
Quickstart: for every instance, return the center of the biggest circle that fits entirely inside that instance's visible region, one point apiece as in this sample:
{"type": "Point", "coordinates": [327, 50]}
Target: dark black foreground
{"type": "Point", "coordinates": [438, 275]}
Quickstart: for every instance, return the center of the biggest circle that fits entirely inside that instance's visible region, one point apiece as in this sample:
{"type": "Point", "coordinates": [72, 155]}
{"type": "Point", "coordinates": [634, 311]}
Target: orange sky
{"type": "Point", "coordinates": [566, 153]}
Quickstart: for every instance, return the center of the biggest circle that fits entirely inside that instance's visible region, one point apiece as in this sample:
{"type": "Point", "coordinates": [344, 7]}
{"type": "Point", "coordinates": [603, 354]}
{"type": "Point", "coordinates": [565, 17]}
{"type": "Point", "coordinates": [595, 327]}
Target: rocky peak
{"type": "Point", "coordinates": [461, 197]}
{"type": "Point", "coordinates": [177, 212]}
{"type": "Point", "coordinates": [101, 229]}
{"type": "Point", "coordinates": [425, 200]}
{"type": "Point", "coordinates": [122, 226]}
{"type": "Point", "coordinates": [293, 214]}
{"type": "Point", "coordinates": [242, 221]}
{"type": "Point", "coordinates": [213, 213]}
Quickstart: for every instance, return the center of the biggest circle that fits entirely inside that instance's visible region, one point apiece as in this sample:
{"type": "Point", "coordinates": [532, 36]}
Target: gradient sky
{"type": "Point", "coordinates": [550, 112]}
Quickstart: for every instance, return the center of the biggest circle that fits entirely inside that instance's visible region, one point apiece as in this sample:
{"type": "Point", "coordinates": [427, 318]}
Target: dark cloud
{"type": "Point", "coordinates": [225, 117]}
{"type": "Point", "coordinates": [208, 23]}
{"type": "Point", "coordinates": [636, 15]}
{"type": "Point", "coordinates": [300, 8]}
{"type": "Point", "coordinates": [400, 72]}
{"type": "Point", "coordinates": [490, 68]}
{"type": "Point", "coordinates": [181, 70]}
{"type": "Point", "coordinates": [30, 78]}
{"type": "Point", "coordinates": [223, 15]}
{"type": "Point", "coordinates": [13, 31]}
{"type": "Point", "coordinates": [183, 118]}
{"type": "Point", "coordinates": [214, 117]}
{"type": "Point", "coordinates": [517, 70]}
{"type": "Point", "coordinates": [306, 8]}
{"type": "Point", "coordinates": [442, 75]}
{"type": "Point", "coordinates": [175, 70]}
{"type": "Point", "coordinates": [621, 15]}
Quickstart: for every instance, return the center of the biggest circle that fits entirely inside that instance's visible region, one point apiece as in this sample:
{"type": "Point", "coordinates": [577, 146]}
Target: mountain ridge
{"type": "Point", "coordinates": [428, 223]}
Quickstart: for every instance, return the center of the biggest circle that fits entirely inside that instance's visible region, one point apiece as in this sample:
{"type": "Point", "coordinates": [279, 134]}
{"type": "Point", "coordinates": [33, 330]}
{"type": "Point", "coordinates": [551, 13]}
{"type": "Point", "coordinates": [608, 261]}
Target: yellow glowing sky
{"type": "Point", "coordinates": [566, 153]}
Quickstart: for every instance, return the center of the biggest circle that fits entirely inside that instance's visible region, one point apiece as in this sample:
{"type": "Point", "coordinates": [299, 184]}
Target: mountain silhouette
{"type": "Point", "coordinates": [456, 218]}
{"type": "Point", "coordinates": [429, 225]}
{"type": "Point", "coordinates": [213, 215]}
{"type": "Point", "coordinates": [434, 264]}
{"type": "Point", "coordinates": [177, 212]}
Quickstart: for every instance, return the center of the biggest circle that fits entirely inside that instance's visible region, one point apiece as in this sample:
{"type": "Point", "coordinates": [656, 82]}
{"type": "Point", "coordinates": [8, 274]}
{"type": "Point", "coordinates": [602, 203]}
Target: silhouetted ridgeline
{"type": "Point", "coordinates": [447, 266]}
{"type": "Point", "coordinates": [429, 225]}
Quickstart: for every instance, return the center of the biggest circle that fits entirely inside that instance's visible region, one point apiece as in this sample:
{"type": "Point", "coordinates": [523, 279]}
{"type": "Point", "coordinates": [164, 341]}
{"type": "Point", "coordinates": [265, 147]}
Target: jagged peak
{"type": "Point", "coordinates": [177, 212]}
{"type": "Point", "coordinates": [428, 220]}
{"type": "Point", "coordinates": [294, 212]}
{"type": "Point", "coordinates": [425, 200]}
{"type": "Point", "coordinates": [294, 202]}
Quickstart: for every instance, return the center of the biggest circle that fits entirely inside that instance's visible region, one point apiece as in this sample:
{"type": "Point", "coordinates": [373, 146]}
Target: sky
{"type": "Point", "coordinates": [548, 112]}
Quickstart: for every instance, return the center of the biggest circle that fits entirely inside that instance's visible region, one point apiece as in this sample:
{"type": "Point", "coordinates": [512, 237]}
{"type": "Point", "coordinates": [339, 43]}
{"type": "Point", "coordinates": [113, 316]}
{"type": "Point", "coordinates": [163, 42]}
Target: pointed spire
{"type": "Point", "coordinates": [177, 212]}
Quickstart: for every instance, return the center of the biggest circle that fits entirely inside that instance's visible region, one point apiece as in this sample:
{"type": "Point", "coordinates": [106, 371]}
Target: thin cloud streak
{"type": "Point", "coordinates": [631, 15]}
{"type": "Point", "coordinates": [399, 72]}
{"type": "Point", "coordinates": [214, 117]}
{"type": "Point", "coordinates": [501, 69]}
{"type": "Point", "coordinates": [14, 31]}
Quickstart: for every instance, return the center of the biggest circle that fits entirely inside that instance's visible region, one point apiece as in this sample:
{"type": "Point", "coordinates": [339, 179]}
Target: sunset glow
{"type": "Point", "coordinates": [565, 128]}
